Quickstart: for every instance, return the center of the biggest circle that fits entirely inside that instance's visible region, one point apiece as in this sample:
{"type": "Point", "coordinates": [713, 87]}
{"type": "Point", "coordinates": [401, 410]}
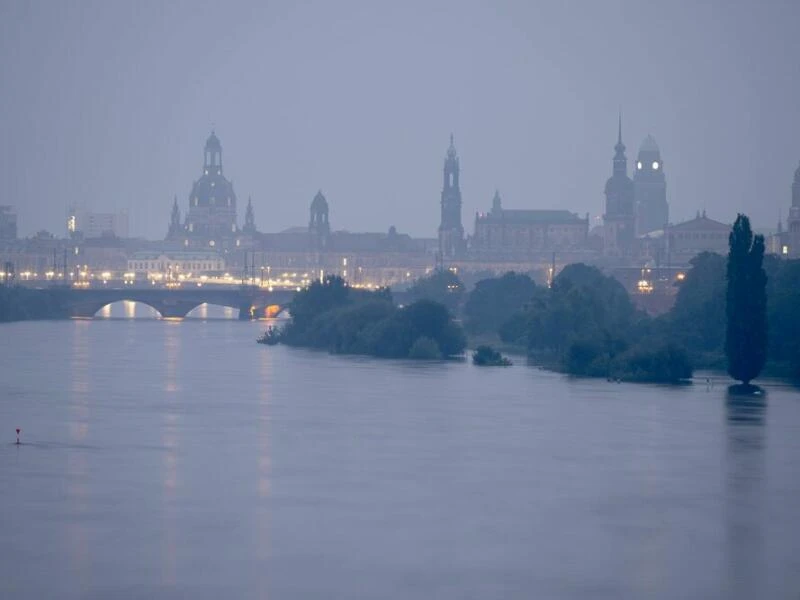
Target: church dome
{"type": "Point", "coordinates": [213, 190]}
{"type": "Point", "coordinates": [649, 145]}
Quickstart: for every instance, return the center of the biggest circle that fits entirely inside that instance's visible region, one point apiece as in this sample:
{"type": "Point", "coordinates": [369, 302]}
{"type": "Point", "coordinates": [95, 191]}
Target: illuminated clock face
{"type": "Point", "coordinates": [639, 165]}
{"type": "Point", "coordinates": [655, 165]}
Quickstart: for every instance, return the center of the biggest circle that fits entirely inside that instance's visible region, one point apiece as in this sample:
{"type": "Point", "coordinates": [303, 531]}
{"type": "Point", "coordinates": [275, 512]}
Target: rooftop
{"type": "Point", "coordinates": [530, 216]}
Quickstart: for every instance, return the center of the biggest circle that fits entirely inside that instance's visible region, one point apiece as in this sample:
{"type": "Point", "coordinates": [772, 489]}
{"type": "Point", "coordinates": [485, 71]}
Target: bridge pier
{"type": "Point", "coordinates": [172, 309]}
{"type": "Point", "coordinates": [247, 312]}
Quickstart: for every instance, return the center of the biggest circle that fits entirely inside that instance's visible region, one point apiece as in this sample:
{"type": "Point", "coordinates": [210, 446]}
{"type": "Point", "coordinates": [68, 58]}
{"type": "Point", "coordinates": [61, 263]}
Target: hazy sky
{"type": "Point", "coordinates": [109, 103]}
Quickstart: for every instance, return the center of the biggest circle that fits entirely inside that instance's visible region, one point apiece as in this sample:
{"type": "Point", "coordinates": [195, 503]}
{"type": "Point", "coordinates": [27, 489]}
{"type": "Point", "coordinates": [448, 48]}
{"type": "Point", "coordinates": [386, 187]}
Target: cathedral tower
{"type": "Point", "coordinates": [619, 220]}
{"type": "Point", "coordinates": [451, 232]}
{"type": "Point", "coordinates": [650, 189]}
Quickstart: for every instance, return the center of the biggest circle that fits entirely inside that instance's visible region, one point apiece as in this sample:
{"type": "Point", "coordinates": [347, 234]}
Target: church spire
{"type": "Point", "coordinates": [175, 220]}
{"type": "Point", "coordinates": [451, 232]}
{"type": "Point", "coordinates": [249, 217]}
{"type": "Point", "coordinates": [620, 160]}
{"type": "Point", "coordinates": [451, 151]}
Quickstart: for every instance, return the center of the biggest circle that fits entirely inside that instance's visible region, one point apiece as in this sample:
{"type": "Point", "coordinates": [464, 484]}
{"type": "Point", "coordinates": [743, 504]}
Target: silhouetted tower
{"type": "Point", "coordinates": [249, 218]}
{"type": "Point", "coordinates": [497, 203]}
{"type": "Point", "coordinates": [175, 228]}
{"type": "Point", "coordinates": [451, 232]}
{"type": "Point", "coordinates": [318, 226]}
{"type": "Point", "coordinates": [794, 211]}
{"type": "Point", "coordinates": [618, 220]}
{"type": "Point", "coordinates": [793, 222]}
{"type": "Point", "coordinates": [650, 188]}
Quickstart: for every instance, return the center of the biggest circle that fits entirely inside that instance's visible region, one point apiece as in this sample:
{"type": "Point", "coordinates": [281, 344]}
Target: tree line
{"type": "Point", "coordinates": [333, 316]}
{"type": "Point", "coordinates": [740, 313]}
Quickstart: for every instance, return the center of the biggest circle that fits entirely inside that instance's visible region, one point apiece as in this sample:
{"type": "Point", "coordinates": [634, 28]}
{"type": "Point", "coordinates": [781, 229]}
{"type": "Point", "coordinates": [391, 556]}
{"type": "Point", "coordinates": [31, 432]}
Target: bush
{"type": "Point", "coordinates": [666, 363]}
{"type": "Point", "coordinates": [582, 357]}
{"type": "Point", "coordinates": [342, 320]}
{"type": "Point", "coordinates": [486, 356]}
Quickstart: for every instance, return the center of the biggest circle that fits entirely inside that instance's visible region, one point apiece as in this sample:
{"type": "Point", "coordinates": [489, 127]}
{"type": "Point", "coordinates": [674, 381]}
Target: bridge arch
{"type": "Point", "coordinates": [213, 310]}
{"type": "Point", "coordinates": [168, 308]}
{"type": "Point", "coordinates": [127, 309]}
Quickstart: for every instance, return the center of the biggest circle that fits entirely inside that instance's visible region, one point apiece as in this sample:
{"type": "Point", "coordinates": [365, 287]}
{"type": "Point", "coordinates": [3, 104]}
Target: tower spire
{"type": "Point", "coordinates": [451, 151]}
{"type": "Point", "coordinates": [619, 135]}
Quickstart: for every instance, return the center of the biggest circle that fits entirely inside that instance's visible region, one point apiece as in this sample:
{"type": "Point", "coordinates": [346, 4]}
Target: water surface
{"type": "Point", "coordinates": [181, 459]}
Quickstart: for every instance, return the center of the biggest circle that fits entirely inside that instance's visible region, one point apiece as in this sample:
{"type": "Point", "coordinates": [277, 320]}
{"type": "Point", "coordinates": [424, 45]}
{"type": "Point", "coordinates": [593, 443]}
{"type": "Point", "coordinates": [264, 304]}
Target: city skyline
{"type": "Point", "coordinates": [332, 98]}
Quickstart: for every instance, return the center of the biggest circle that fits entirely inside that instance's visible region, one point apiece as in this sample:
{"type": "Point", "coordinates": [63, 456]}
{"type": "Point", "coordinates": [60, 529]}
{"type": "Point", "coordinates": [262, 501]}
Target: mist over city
{"type": "Point", "coordinates": [399, 300]}
{"type": "Point", "coordinates": [108, 104]}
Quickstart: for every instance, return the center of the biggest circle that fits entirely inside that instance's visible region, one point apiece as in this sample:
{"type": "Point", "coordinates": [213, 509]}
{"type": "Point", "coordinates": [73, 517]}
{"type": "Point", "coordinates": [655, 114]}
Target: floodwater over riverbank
{"type": "Point", "coordinates": [182, 459]}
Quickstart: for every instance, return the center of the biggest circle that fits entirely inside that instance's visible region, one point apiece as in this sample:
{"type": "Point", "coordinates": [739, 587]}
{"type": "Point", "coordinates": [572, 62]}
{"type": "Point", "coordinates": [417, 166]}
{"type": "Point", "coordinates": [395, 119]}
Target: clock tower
{"type": "Point", "coordinates": [650, 189]}
{"type": "Point", "coordinates": [793, 222]}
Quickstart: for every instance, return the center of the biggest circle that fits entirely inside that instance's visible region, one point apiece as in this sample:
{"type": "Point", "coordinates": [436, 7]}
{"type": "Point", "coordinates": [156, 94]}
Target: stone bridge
{"type": "Point", "coordinates": [252, 302]}
{"type": "Point", "coordinates": [177, 303]}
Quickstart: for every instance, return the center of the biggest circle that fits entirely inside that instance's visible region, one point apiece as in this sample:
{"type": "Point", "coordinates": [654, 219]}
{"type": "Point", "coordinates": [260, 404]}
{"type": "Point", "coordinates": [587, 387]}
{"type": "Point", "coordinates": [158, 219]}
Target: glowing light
{"type": "Point", "coordinates": [655, 165]}
{"type": "Point", "coordinates": [681, 276]}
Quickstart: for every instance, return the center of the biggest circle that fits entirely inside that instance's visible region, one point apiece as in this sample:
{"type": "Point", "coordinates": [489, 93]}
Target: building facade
{"type": "Point", "coordinates": [174, 264]}
{"type": "Point", "coordinates": [84, 224]}
{"type": "Point", "coordinates": [650, 189]}
{"type": "Point", "coordinates": [683, 241]}
{"type": "Point", "coordinates": [451, 231]}
{"type": "Point", "coordinates": [8, 223]}
{"type": "Point", "coordinates": [514, 234]}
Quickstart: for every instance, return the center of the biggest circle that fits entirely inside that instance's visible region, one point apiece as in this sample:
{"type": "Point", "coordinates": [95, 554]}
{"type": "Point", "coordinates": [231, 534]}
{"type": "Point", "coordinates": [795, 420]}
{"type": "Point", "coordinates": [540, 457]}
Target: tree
{"type": "Point", "coordinates": [441, 286]}
{"type": "Point", "coordinates": [783, 314]}
{"type": "Point", "coordinates": [698, 318]}
{"type": "Point", "coordinates": [493, 300]}
{"type": "Point", "coordinates": [746, 303]}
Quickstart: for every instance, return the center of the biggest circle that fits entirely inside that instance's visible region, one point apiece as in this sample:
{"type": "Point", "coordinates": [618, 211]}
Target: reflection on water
{"type": "Point", "coordinates": [77, 468]}
{"type": "Point", "coordinates": [746, 473]}
{"type": "Point", "coordinates": [178, 459]}
{"type": "Point", "coordinates": [170, 441]}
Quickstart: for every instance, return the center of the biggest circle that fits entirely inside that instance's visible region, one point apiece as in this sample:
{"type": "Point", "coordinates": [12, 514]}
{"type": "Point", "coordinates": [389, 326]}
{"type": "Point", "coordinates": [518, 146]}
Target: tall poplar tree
{"type": "Point", "coordinates": [746, 307]}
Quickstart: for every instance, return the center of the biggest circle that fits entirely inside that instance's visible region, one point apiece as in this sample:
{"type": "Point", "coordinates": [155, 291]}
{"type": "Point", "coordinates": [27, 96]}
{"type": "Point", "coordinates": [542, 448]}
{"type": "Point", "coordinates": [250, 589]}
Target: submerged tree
{"type": "Point", "coordinates": [746, 303]}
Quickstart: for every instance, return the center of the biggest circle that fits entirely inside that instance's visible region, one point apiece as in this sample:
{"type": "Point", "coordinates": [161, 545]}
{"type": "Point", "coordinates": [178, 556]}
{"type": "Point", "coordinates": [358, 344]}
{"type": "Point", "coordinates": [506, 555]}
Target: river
{"type": "Point", "coordinates": [182, 460]}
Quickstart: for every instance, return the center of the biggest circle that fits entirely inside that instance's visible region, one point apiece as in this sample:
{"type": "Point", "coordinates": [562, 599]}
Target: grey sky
{"type": "Point", "coordinates": [110, 103]}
